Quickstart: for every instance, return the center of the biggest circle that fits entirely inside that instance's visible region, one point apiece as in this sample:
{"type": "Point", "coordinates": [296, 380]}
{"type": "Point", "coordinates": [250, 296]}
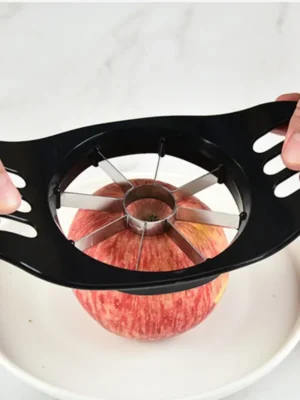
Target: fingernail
{"type": "Point", "coordinates": [291, 151]}
{"type": "Point", "coordinates": [10, 198]}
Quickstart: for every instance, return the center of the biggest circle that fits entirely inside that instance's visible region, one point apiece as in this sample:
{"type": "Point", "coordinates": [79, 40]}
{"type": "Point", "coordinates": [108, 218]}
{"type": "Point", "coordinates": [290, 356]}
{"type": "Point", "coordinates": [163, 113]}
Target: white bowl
{"type": "Point", "coordinates": [50, 342]}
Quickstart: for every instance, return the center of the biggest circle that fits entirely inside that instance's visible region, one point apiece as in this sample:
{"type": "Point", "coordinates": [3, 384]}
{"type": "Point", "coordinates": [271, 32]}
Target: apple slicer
{"type": "Point", "coordinates": [221, 144]}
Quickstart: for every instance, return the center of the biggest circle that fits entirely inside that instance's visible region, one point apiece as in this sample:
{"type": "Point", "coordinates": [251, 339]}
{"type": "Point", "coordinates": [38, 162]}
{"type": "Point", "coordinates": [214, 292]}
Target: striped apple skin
{"type": "Point", "coordinates": [153, 317]}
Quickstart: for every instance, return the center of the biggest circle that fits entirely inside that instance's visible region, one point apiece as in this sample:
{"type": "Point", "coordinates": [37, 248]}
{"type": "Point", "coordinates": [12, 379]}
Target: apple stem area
{"type": "Point", "coordinates": [149, 210]}
{"type": "Point", "coordinates": [152, 218]}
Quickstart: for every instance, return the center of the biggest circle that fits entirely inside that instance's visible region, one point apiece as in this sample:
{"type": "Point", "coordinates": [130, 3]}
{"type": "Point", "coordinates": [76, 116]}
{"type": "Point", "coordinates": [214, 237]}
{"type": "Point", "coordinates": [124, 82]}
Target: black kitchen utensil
{"type": "Point", "coordinates": [222, 144]}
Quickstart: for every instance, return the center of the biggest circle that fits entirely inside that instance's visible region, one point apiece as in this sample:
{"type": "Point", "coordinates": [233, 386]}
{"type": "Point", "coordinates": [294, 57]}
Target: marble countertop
{"type": "Point", "coordinates": [69, 65]}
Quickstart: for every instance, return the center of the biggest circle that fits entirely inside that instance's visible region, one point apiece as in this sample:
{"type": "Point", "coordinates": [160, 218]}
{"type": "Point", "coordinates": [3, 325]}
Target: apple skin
{"type": "Point", "coordinates": [151, 317]}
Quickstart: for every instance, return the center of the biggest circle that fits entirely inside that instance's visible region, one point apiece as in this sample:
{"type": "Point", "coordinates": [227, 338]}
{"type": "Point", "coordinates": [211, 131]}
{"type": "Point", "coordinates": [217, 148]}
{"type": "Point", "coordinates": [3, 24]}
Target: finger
{"type": "Point", "coordinates": [291, 146]}
{"type": "Point", "coordinates": [289, 97]}
{"type": "Point", "coordinates": [10, 198]}
{"type": "Point", "coordinates": [281, 130]}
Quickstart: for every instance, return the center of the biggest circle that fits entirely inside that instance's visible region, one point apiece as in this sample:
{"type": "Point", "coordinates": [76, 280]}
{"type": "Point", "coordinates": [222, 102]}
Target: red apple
{"type": "Point", "coordinates": [149, 317]}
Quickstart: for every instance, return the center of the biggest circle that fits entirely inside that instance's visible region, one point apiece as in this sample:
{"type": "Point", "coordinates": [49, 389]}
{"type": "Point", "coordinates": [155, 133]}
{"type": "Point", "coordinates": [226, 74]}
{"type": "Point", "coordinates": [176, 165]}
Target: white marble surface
{"type": "Point", "coordinates": [64, 66]}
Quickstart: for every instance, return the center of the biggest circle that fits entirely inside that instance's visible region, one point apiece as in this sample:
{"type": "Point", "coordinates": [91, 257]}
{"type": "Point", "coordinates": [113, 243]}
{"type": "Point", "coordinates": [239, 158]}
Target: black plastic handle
{"type": "Point", "coordinates": [48, 165]}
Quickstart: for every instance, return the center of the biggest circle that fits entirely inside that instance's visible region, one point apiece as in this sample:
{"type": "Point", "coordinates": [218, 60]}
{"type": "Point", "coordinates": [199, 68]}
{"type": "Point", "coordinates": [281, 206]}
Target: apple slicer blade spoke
{"type": "Point", "coordinates": [222, 145]}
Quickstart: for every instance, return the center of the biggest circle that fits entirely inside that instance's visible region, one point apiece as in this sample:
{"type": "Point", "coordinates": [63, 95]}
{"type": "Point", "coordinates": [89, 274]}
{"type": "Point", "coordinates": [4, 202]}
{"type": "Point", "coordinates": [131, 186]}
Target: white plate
{"type": "Point", "coordinates": [48, 341]}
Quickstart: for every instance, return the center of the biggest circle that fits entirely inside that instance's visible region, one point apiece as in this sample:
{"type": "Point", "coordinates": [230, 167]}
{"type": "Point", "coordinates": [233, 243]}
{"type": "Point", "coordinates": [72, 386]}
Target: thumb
{"type": "Point", "coordinates": [291, 146]}
{"type": "Point", "coordinates": [10, 197]}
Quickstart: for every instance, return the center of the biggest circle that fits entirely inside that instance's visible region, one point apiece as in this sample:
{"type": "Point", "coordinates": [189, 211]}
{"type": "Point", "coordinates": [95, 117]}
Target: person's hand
{"type": "Point", "coordinates": [10, 198]}
{"type": "Point", "coordinates": [291, 147]}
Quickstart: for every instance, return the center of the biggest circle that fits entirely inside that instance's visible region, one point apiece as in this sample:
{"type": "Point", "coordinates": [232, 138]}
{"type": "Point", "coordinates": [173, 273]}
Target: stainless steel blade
{"type": "Point", "coordinates": [102, 234]}
{"type": "Point", "coordinates": [90, 202]}
{"type": "Point", "coordinates": [208, 217]}
{"type": "Point", "coordinates": [194, 255]}
{"type": "Point", "coordinates": [141, 247]}
{"type": "Point", "coordinates": [195, 186]}
{"type": "Point", "coordinates": [114, 174]}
